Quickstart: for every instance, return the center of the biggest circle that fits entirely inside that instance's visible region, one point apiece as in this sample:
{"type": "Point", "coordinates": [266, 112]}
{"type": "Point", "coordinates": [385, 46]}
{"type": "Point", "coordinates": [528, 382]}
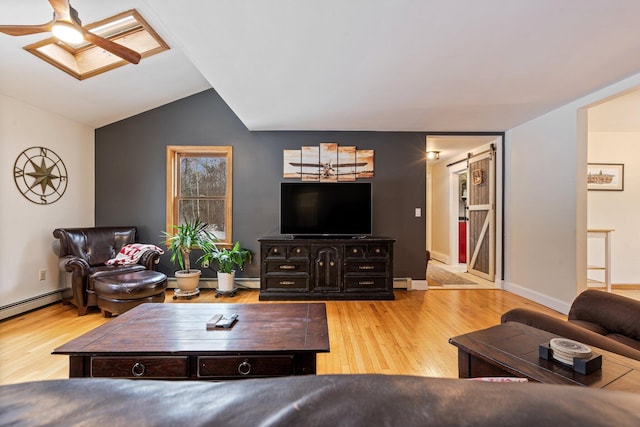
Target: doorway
{"type": "Point", "coordinates": [612, 150]}
{"type": "Point", "coordinates": [464, 219]}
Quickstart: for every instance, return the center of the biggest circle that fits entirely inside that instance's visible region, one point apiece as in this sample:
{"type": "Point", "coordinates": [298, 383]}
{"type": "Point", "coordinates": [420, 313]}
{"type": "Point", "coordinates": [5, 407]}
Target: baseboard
{"type": "Point", "coordinates": [547, 301]}
{"type": "Point", "coordinates": [418, 285]}
{"type": "Point", "coordinates": [402, 283]}
{"type": "Point", "coordinates": [29, 304]}
{"type": "Point", "coordinates": [254, 282]}
{"type": "Point", "coordinates": [439, 256]}
{"type": "Point", "coordinates": [212, 283]}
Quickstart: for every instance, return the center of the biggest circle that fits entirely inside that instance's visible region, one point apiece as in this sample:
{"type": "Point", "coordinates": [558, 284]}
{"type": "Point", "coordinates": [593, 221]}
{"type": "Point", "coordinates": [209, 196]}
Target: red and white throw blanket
{"type": "Point", "coordinates": [130, 254]}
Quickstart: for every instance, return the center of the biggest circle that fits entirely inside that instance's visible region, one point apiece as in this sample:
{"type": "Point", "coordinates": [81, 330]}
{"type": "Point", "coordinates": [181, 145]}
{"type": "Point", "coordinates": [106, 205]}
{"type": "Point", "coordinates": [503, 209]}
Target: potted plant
{"type": "Point", "coordinates": [192, 234]}
{"type": "Point", "coordinates": [226, 259]}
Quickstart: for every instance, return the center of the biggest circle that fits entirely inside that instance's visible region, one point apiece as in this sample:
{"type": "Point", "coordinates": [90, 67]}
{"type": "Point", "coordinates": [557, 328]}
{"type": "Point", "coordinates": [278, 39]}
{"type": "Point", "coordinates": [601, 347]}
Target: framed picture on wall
{"type": "Point", "coordinates": [605, 176]}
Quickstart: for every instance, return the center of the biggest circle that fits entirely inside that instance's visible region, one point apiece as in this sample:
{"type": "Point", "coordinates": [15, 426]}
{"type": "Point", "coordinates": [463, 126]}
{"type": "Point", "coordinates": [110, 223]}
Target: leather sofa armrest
{"type": "Point", "coordinates": [79, 269]}
{"type": "Point", "coordinates": [566, 329]}
{"type": "Point", "coordinates": [541, 321]}
{"type": "Point", "coordinates": [615, 314]}
{"type": "Point", "coordinates": [149, 259]}
{"type": "Point", "coordinates": [73, 264]}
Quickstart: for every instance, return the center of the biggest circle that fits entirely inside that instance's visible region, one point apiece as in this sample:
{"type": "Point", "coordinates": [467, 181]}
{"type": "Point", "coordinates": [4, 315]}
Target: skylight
{"type": "Point", "coordinates": [86, 60]}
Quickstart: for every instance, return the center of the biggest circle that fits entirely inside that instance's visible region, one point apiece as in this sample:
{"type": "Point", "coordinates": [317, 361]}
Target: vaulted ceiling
{"type": "Point", "coordinates": [381, 65]}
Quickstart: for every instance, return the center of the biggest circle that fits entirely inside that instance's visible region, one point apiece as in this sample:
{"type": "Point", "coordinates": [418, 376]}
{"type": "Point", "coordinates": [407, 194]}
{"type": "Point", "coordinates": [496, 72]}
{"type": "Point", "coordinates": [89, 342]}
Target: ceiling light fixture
{"type": "Point", "coordinates": [126, 30]}
{"type": "Point", "coordinates": [433, 155]}
{"type": "Point", "coordinates": [65, 29]}
{"type": "Point", "coordinates": [67, 32]}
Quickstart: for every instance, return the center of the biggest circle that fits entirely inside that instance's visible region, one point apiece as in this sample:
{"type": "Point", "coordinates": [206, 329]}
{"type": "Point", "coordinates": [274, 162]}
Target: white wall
{"type": "Point", "coordinates": [27, 227]}
{"type": "Point", "coordinates": [439, 211]}
{"type": "Point", "coordinates": [619, 210]}
{"type": "Point", "coordinates": [545, 202]}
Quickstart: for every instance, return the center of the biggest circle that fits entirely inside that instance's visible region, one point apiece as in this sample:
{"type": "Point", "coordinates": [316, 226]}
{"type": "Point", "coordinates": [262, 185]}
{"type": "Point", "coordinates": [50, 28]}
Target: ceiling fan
{"type": "Point", "coordinates": [66, 26]}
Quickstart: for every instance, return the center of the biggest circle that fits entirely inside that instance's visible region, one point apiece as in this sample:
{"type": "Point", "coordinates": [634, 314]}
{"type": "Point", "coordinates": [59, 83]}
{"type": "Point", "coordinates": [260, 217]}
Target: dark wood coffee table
{"type": "Point", "coordinates": [171, 341]}
{"type": "Point", "coordinates": [511, 349]}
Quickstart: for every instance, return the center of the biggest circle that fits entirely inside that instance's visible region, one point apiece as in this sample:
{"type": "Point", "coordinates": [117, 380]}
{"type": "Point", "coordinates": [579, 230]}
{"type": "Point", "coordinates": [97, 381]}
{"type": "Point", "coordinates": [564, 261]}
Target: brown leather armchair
{"type": "Point", "coordinates": [83, 252]}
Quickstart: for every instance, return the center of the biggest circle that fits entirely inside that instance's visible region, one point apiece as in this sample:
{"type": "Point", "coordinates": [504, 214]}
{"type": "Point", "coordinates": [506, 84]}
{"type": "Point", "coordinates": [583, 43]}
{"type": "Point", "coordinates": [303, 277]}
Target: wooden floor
{"type": "Point", "coordinates": [406, 336]}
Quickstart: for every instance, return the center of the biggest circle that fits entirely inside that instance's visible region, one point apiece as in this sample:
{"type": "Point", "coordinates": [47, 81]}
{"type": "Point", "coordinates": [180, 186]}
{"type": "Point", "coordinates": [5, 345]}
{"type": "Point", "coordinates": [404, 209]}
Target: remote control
{"type": "Point", "coordinates": [226, 322]}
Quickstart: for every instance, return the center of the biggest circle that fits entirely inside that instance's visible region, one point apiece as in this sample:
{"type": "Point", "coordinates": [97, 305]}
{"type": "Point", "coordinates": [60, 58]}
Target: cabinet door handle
{"type": "Point", "coordinates": [365, 282]}
{"type": "Point", "coordinates": [244, 368]}
{"type": "Point", "coordinates": [366, 267]}
{"type": "Point", "coordinates": [287, 267]}
{"type": "Point", "coordinates": [287, 282]}
{"type": "Point", "coordinates": [138, 369]}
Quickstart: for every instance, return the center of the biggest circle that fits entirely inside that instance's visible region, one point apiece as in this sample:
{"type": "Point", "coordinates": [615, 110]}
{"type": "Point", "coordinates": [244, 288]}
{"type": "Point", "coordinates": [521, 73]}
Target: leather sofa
{"type": "Point", "coordinates": [596, 318]}
{"type": "Point", "coordinates": [83, 253]}
{"type": "Point", "coordinates": [324, 400]}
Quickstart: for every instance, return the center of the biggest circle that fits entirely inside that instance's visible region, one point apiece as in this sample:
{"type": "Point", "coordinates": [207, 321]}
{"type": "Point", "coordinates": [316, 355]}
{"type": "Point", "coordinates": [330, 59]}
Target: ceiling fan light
{"type": "Point", "coordinates": [67, 33]}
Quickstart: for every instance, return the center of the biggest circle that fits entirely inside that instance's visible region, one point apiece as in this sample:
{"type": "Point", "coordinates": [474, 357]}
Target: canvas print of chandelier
{"type": "Point", "coordinates": [328, 163]}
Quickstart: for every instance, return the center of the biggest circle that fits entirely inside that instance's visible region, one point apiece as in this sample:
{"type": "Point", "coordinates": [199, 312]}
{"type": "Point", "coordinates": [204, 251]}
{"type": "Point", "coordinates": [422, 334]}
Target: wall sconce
{"type": "Point", "coordinates": [433, 155]}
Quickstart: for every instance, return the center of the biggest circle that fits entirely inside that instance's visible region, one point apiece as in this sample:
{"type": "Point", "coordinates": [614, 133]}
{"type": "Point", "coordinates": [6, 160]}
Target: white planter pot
{"type": "Point", "coordinates": [226, 281]}
{"type": "Point", "coordinates": [188, 282]}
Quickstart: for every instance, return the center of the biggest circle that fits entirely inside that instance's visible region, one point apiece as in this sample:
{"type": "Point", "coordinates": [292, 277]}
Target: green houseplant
{"type": "Point", "coordinates": [192, 234]}
{"type": "Point", "coordinates": [226, 260]}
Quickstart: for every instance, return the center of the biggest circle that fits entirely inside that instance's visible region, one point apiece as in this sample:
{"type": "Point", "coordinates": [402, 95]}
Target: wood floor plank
{"type": "Point", "coordinates": [407, 336]}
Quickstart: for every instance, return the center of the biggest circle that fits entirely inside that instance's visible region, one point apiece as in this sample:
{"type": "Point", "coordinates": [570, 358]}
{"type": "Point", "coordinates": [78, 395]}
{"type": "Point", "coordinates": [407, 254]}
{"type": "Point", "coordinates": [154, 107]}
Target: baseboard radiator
{"type": "Point", "coordinates": [33, 303]}
{"type": "Point", "coordinates": [254, 283]}
{"type": "Point", "coordinates": [29, 304]}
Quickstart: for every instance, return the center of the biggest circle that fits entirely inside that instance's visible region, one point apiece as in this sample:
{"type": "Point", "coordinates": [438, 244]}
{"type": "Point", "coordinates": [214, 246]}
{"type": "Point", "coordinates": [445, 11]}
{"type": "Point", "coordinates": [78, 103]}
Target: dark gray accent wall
{"type": "Point", "coordinates": [131, 176]}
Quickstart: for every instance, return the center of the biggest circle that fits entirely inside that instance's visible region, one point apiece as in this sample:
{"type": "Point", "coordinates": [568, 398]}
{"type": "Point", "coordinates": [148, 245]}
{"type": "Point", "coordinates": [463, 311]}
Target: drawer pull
{"type": "Point", "coordinates": [287, 282]}
{"type": "Point", "coordinates": [244, 368]}
{"type": "Point", "coordinates": [287, 267]}
{"type": "Point", "coordinates": [366, 267]}
{"type": "Point", "coordinates": [138, 369]}
{"type": "Point", "coordinates": [366, 282]}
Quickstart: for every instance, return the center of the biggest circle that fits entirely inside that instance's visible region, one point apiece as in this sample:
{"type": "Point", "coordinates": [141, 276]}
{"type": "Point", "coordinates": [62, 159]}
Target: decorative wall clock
{"type": "Point", "coordinates": [40, 175]}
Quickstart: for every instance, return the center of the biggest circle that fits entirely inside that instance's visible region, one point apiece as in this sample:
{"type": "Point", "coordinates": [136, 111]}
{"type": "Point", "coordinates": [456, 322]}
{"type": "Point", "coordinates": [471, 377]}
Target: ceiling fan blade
{"type": "Point", "coordinates": [115, 48]}
{"type": "Point", "coordinates": [23, 30]}
{"type": "Point", "coordinates": [62, 9]}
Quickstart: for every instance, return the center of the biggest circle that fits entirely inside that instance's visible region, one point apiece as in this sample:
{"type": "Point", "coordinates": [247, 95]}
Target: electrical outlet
{"type": "Point", "coordinates": [42, 275]}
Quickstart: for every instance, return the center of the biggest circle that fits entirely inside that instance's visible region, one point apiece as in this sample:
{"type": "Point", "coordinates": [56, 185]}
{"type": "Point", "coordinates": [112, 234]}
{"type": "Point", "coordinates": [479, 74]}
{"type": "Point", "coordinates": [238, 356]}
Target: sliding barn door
{"type": "Point", "coordinates": [481, 201]}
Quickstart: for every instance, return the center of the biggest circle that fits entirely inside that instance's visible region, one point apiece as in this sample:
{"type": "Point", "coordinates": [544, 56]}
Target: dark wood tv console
{"type": "Point", "coordinates": [326, 268]}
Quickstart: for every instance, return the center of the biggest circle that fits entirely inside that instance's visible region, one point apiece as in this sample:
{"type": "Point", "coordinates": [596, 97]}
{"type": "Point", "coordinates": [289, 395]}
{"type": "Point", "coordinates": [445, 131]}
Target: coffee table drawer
{"type": "Point", "coordinates": [140, 367]}
{"type": "Point", "coordinates": [245, 366]}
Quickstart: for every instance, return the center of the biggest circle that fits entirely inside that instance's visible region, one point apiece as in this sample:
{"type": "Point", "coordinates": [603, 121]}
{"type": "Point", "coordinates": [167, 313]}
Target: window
{"type": "Point", "coordinates": [199, 186]}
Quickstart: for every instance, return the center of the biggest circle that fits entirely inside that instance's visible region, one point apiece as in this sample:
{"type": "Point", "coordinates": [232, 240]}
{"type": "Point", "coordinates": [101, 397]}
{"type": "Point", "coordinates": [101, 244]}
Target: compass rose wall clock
{"type": "Point", "coordinates": [40, 175]}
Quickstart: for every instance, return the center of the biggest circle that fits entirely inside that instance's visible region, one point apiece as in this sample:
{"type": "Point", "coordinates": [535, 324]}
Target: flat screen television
{"type": "Point", "coordinates": [326, 209]}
